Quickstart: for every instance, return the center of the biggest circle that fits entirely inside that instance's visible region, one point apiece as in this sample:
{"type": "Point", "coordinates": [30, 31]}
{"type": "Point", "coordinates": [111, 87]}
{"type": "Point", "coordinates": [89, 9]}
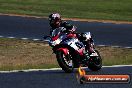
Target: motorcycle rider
{"type": "Point", "coordinates": [56, 22]}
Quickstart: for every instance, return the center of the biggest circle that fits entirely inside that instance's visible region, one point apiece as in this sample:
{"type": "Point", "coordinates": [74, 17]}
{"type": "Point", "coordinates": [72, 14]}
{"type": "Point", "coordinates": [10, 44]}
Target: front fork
{"type": "Point", "coordinates": [89, 46]}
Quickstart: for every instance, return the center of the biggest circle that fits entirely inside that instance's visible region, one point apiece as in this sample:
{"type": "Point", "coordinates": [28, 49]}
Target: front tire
{"type": "Point", "coordinates": [64, 61]}
{"type": "Point", "coordinates": [95, 63]}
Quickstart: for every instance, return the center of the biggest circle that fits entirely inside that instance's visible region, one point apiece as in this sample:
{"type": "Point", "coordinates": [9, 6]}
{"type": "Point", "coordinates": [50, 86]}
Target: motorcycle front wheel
{"type": "Point", "coordinates": [95, 63]}
{"type": "Point", "coordinates": [64, 61]}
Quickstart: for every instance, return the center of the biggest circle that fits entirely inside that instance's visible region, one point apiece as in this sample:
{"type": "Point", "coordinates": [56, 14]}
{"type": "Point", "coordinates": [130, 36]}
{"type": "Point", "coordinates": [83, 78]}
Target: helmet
{"type": "Point", "coordinates": [55, 20]}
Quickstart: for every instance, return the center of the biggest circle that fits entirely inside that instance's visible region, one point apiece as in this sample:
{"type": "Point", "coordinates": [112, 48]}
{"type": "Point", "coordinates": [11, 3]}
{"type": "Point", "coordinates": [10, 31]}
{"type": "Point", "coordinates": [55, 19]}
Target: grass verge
{"type": "Point", "coordinates": [25, 54]}
{"type": "Point", "coordinates": [89, 9]}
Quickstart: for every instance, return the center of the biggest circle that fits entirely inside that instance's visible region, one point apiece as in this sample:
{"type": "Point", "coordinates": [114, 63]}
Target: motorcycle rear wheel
{"type": "Point", "coordinates": [64, 62]}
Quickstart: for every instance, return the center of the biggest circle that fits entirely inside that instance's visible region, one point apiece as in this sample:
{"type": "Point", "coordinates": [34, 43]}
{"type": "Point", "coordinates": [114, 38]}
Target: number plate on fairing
{"type": "Point", "coordinates": [75, 43]}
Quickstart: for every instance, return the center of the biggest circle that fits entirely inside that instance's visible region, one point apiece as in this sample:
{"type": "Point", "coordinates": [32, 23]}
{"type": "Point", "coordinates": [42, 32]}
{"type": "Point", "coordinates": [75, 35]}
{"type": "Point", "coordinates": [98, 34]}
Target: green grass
{"type": "Point", "coordinates": [115, 56]}
{"type": "Point", "coordinates": [89, 9]}
{"type": "Point", "coordinates": [24, 54]}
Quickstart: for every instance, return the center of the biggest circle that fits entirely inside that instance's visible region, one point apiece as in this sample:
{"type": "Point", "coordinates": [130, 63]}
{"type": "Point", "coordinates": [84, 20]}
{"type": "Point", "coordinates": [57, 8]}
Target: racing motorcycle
{"type": "Point", "coordinates": [71, 52]}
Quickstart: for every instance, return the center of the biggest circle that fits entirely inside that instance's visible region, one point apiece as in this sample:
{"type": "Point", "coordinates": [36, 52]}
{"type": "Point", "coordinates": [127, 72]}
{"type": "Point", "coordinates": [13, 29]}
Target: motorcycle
{"type": "Point", "coordinates": [71, 52]}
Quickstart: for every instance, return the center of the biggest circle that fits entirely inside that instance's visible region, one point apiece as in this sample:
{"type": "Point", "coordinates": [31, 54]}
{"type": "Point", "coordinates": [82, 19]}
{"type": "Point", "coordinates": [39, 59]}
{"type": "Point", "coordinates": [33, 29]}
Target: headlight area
{"type": "Point", "coordinates": [53, 43]}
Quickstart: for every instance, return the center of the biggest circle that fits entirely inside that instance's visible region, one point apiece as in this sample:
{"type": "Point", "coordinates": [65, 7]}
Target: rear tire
{"type": "Point", "coordinates": [95, 63]}
{"type": "Point", "coordinates": [63, 61]}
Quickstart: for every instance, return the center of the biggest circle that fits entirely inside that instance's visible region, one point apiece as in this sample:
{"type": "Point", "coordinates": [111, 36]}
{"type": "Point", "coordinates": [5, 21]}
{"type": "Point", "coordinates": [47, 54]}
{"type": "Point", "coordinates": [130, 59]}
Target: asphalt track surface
{"type": "Point", "coordinates": [59, 79]}
{"type": "Point", "coordinates": [36, 28]}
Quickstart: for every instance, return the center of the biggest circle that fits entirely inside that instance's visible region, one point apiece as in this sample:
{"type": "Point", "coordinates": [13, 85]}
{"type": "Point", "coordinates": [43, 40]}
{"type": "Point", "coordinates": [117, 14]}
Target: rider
{"type": "Point", "coordinates": [56, 22]}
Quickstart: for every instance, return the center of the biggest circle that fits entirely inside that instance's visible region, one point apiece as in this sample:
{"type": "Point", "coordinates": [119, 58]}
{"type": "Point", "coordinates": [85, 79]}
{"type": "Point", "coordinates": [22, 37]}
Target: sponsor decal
{"type": "Point", "coordinates": [83, 78]}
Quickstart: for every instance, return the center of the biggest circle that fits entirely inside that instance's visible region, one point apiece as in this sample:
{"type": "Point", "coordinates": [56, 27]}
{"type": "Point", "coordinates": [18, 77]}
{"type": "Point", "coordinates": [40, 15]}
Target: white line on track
{"type": "Point", "coordinates": [117, 66]}
{"type": "Point", "coordinates": [101, 45]}
{"type": "Point", "coordinates": [1, 36]}
{"type": "Point", "coordinates": [24, 38]}
{"type": "Point", "coordinates": [53, 69]}
{"type": "Point", "coordinates": [30, 70]}
{"type": "Point", "coordinates": [10, 37]}
{"type": "Point", "coordinates": [35, 39]}
{"type": "Point", "coordinates": [128, 47]}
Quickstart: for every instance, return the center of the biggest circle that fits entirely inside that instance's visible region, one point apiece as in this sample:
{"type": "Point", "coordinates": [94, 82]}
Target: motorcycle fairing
{"type": "Point", "coordinates": [65, 50]}
{"type": "Point", "coordinates": [75, 44]}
